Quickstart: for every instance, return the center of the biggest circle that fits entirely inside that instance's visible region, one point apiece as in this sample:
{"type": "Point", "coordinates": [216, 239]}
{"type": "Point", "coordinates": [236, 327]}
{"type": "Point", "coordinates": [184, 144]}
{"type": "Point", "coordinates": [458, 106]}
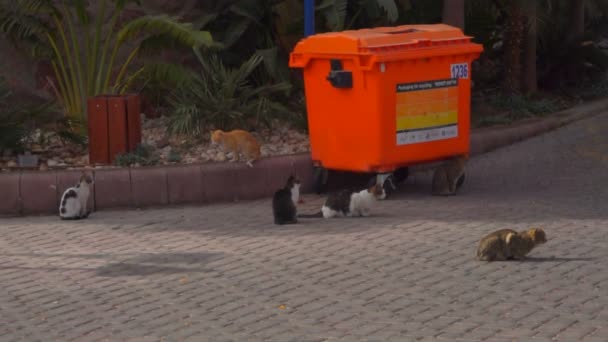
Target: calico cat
{"type": "Point", "coordinates": [238, 142]}
{"type": "Point", "coordinates": [350, 202]}
{"type": "Point", "coordinates": [74, 200]}
{"type": "Point", "coordinates": [507, 244]}
{"type": "Point", "coordinates": [285, 201]}
{"type": "Point", "coordinates": [448, 177]}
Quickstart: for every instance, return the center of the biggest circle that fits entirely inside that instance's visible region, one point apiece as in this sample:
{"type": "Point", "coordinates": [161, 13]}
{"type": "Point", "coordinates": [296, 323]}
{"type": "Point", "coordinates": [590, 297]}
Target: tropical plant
{"type": "Point", "coordinates": [539, 41]}
{"type": "Point", "coordinates": [156, 80]}
{"type": "Point", "coordinates": [92, 66]}
{"type": "Point", "coordinates": [422, 11]}
{"type": "Point", "coordinates": [224, 97]}
{"type": "Point", "coordinates": [453, 13]}
{"type": "Point", "coordinates": [566, 55]}
{"type": "Point", "coordinates": [338, 15]}
{"type": "Point", "coordinates": [245, 27]}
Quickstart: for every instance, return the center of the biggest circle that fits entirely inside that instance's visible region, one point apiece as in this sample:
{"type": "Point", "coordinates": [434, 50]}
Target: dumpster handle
{"type": "Point", "coordinates": [410, 30]}
{"type": "Point", "coordinates": [338, 77]}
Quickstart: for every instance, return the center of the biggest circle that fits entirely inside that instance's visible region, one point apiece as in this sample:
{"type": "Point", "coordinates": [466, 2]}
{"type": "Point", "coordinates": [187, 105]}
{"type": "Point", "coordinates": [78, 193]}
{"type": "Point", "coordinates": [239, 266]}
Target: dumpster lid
{"type": "Point", "coordinates": [383, 39]}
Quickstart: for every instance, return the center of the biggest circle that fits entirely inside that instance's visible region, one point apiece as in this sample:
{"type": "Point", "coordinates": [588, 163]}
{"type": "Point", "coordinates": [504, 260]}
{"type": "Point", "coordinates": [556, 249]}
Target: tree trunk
{"type": "Point", "coordinates": [529, 78]}
{"type": "Point", "coordinates": [578, 19]}
{"type": "Point", "coordinates": [513, 40]}
{"type": "Point", "coordinates": [453, 13]}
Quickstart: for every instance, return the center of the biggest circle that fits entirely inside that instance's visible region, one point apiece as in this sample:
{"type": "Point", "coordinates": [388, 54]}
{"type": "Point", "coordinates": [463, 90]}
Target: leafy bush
{"type": "Point", "coordinates": [224, 97]}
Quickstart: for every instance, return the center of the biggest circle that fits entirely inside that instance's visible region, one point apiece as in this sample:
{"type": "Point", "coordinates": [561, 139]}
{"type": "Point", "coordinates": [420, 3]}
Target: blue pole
{"type": "Point", "coordinates": [309, 17]}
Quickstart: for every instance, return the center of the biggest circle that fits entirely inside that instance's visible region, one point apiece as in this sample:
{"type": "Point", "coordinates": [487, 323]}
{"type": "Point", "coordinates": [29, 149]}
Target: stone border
{"type": "Point", "coordinates": [35, 192]}
{"type": "Point", "coordinates": [487, 139]}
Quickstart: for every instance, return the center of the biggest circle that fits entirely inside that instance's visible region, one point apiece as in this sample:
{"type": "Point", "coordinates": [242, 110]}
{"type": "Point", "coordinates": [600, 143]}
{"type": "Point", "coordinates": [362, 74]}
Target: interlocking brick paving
{"type": "Point", "coordinates": [226, 273]}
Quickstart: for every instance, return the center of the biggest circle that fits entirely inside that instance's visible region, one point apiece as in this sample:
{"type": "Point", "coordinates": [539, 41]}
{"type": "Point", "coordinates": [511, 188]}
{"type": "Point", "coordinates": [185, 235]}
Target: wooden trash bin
{"type": "Point", "coordinates": [114, 126]}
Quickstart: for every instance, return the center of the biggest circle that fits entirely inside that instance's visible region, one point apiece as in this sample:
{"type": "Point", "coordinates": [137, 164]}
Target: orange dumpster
{"type": "Point", "coordinates": [384, 98]}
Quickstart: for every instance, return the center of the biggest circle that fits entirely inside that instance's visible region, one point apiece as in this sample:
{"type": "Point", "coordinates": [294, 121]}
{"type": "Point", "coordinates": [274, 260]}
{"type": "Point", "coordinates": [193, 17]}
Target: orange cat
{"type": "Point", "coordinates": [238, 142]}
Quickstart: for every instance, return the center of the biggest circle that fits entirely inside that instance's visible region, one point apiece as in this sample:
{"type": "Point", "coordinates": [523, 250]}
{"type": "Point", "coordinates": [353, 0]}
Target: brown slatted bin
{"type": "Point", "coordinates": [117, 126]}
{"type": "Point", "coordinates": [114, 126]}
{"type": "Point", "coordinates": [97, 108]}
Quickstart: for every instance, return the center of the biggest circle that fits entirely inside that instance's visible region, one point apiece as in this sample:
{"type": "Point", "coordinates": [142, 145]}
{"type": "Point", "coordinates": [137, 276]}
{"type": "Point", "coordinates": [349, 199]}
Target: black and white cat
{"type": "Point", "coordinates": [285, 201]}
{"type": "Point", "coordinates": [74, 200]}
{"type": "Point", "coordinates": [350, 202]}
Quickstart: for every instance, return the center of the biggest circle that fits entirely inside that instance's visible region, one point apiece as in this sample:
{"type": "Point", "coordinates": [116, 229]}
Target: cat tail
{"type": "Point", "coordinates": [318, 214]}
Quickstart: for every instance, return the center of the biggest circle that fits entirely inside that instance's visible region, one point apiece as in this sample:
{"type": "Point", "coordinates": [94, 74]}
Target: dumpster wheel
{"type": "Point", "coordinates": [319, 179]}
{"type": "Point", "coordinates": [460, 181]}
{"type": "Point", "coordinates": [401, 174]}
{"type": "Point", "coordinates": [390, 181]}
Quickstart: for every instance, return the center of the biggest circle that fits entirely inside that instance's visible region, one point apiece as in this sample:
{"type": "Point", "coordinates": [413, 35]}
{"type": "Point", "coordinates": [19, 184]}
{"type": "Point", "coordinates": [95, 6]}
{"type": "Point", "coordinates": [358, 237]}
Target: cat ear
{"type": "Point", "coordinates": [538, 234]}
{"type": "Point", "coordinates": [542, 234]}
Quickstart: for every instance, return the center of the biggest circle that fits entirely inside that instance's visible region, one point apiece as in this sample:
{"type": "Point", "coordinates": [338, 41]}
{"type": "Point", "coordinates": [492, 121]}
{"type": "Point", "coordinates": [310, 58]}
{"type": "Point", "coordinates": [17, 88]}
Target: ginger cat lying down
{"type": "Point", "coordinates": [238, 142]}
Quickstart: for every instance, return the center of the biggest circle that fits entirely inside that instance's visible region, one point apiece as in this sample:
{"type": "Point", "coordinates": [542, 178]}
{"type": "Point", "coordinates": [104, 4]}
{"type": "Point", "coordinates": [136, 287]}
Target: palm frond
{"type": "Point", "coordinates": [165, 75]}
{"type": "Point", "coordinates": [389, 6]}
{"type": "Point", "coordinates": [183, 33]}
{"type": "Point", "coordinates": [204, 20]}
{"type": "Point", "coordinates": [334, 12]}
{"type": "Point", "coordinates": [235, 32]}
{"type": "Point", "coordinates": [248, 9]}
{"type": "Point", "coordinates": [80, 8]}
{"type": "Point", "coordinates": [120, 4]}
{"type": "Point", "coordinates": [272, 64]}
{"type": "Point", "coordinates": [26, 22]}
{"type": "Point", "coordinates": [157, 42]}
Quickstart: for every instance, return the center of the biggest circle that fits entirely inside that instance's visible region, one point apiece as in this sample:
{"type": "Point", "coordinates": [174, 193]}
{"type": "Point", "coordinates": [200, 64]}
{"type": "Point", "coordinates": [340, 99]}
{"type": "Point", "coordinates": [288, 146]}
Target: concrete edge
{"type": "Point", "coordinates": [39, 193]}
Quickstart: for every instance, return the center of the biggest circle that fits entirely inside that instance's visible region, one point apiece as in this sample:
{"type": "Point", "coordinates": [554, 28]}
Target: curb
{"type": "Point", "coordinates": [487, 139]}
{"type": "Point", "coordinates": [39, 193]}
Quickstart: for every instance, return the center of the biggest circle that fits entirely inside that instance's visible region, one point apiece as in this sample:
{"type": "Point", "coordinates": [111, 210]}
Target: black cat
{"type": "Point", "coordinates": [284, 202]}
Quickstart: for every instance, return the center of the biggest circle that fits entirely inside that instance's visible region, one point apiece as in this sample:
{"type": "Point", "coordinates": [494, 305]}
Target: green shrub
{"type": "Point", "coordinates": [143, 155]}
{"type": "Point", "coordinates": [18, 123]}
{"type": "Point", "coordinates": [12, 130]}
{"type": "Point", "coordinates": [594, 90]}
{"type": "Point", "coordinates": [174, 156]}
{"type": "Point", "coordinates": [519, 106]}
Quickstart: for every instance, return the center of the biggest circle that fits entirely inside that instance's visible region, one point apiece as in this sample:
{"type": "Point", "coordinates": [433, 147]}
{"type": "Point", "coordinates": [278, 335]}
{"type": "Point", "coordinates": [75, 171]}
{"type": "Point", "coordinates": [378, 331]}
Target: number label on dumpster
{"type": "Point", "coordinates": [460, 70]}
{"type": "Point", "coordinates": [427, 111]}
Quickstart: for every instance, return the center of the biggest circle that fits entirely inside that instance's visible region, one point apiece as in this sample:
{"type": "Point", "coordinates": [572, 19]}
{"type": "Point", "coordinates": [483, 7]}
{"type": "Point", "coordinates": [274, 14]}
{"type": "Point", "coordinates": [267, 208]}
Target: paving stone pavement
{"type": "Point", "coordinates": [226, 273]}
